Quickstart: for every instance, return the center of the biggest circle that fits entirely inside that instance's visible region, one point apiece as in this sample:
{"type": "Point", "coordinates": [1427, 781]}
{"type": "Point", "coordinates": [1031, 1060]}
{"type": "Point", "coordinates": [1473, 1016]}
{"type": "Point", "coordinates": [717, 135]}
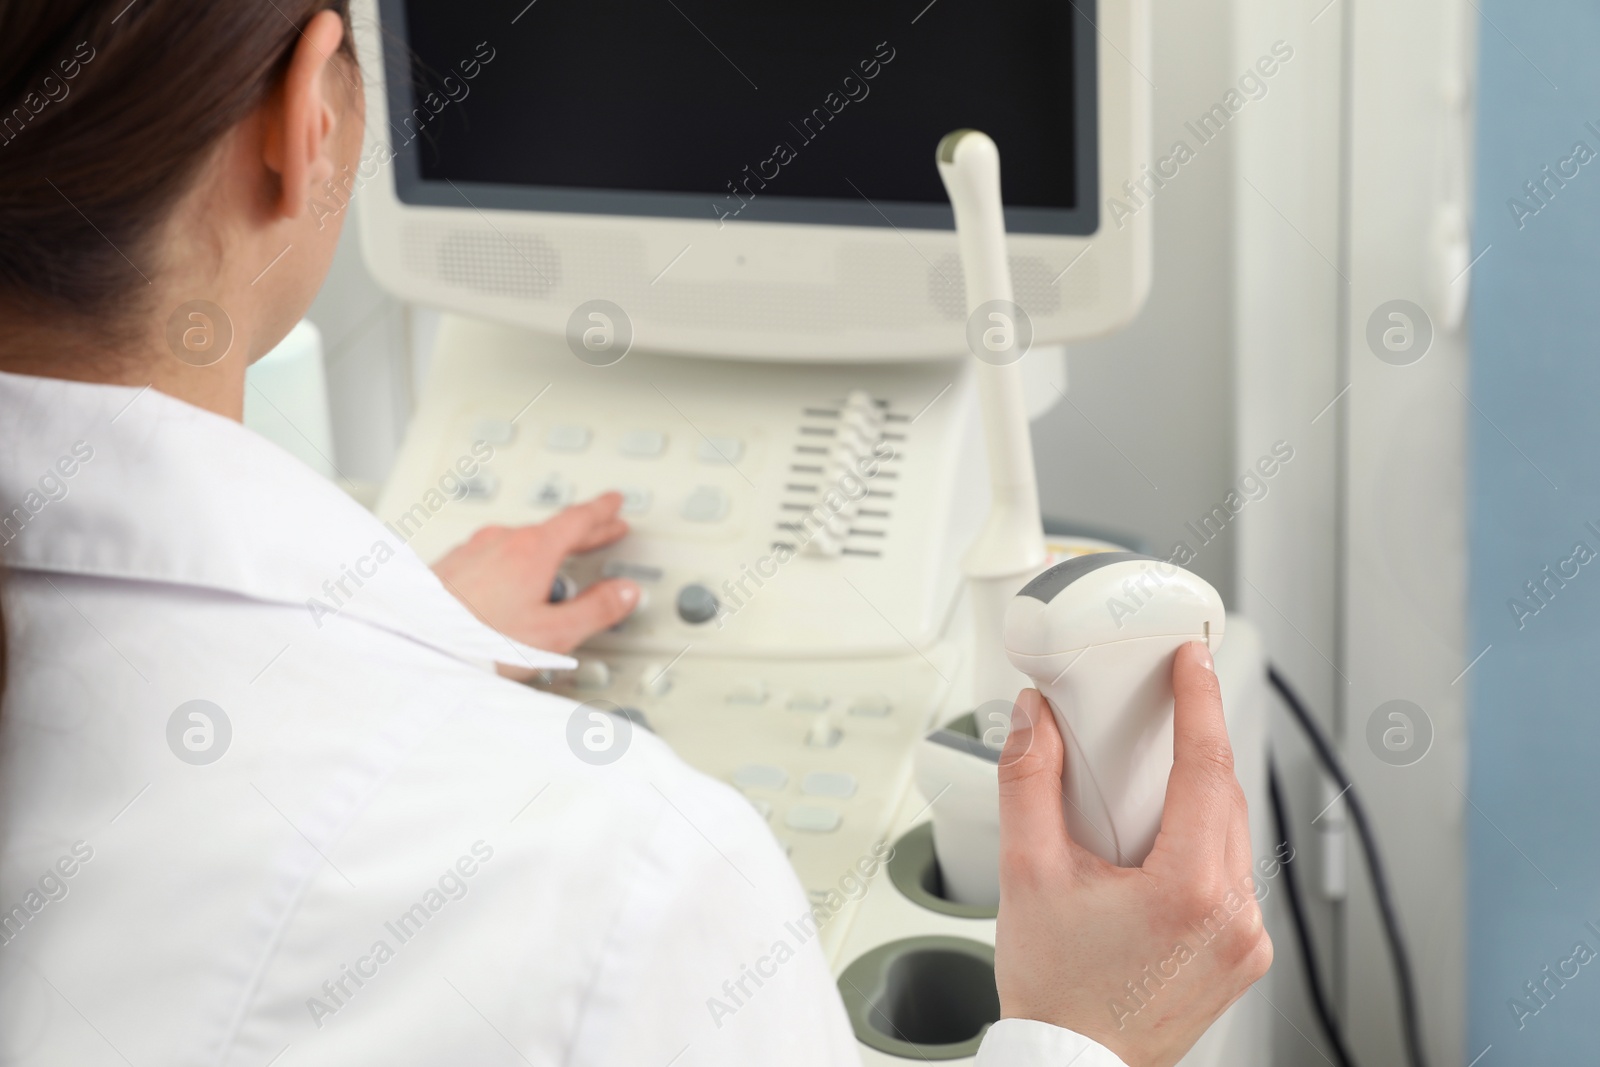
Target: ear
{"type": "Point", "coordinates": [302, 116]}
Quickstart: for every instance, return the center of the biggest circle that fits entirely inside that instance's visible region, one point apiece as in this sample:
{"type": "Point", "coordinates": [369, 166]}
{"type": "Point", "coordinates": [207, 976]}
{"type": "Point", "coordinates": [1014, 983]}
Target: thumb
{"type": "Point", "coordinates": [599, 607]}
{"type": "Point", "coordinates": [1031, 820]}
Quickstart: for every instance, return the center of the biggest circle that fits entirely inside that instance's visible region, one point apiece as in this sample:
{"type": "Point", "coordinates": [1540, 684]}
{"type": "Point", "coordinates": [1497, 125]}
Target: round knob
{"type": "Point", "coordinates": [655, 680]}
{"type": "Point", "coordinates": [697, 604]}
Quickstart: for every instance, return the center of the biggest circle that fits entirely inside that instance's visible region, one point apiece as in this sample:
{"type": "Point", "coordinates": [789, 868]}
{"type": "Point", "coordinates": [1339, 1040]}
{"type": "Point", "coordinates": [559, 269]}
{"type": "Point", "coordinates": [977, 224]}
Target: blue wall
{"type": "Point", "coordinates": [1535, 697]}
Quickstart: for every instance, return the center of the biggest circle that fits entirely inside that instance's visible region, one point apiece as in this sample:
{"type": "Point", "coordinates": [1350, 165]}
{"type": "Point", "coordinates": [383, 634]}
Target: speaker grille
{"type": "Point", "coordinates": [867, 291]}
{"type": "Point", "coordinates": [1031, 284]}
{"type": "Point", "coordinates": [499, 264]}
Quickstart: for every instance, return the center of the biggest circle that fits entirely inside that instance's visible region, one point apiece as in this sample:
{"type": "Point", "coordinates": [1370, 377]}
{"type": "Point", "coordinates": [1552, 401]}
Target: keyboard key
{"type": "Point", "coordinates": [726, 450]}
{"type": "Point", "coordinates": [643, 444]}
{"type": "Point", "coordinates": [760, 776]}
{"type": "Point", "coordinates": [494, 431]}
{"type": "Point", "coordinates": [567, 438]}
{"type": "Point", "coordinates": [839, 785]}
{"type": "Point", "coordinates": [706, 504]}
{"type": "Point", "coordinates": [812, 819]}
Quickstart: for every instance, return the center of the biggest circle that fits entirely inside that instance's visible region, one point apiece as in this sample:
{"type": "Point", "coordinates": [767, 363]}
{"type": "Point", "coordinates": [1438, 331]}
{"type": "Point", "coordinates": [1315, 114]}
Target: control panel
{"type": "Point", "coordinates": [775, 509]}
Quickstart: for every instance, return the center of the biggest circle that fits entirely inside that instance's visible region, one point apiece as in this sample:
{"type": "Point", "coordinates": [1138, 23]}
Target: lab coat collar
{"type": "Point", "coordinates": [120, 482]}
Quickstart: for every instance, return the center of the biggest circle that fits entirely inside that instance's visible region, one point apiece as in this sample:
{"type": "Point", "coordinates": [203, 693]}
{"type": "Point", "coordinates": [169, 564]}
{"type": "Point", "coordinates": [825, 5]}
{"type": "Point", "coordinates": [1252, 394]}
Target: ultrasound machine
{"type": "Point", "coordinates": [700, 253]}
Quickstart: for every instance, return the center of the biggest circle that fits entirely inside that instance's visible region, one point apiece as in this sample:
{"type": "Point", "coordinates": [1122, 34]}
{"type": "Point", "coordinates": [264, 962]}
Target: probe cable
{"type": "Point", "coordinates": [1329, 758]}
{"type": "Point", "coordinates": [1302, 929]}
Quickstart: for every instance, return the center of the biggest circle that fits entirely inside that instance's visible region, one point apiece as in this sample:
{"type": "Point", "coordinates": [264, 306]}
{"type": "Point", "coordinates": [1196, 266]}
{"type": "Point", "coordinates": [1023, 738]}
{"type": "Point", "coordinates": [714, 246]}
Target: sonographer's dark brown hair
{"type": "Point", "coordinates": [108, 111]}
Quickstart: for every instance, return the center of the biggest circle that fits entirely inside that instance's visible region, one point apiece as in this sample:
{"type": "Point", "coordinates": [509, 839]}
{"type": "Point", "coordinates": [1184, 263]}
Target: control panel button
{"type": "Point", "coordinates": [841, 786]}
{"type": "Point", "coordinates": [655, 680]}
{"type": "Point", "coordinates": [494, 431]}
{"type": "Point", "coordinates": [805, 700]}
{"type": "Point", "coordinates": [860, 400]}
{"type": "Point", "coordinates": [812, 819]}
{"type": "Point", "coordinates": [871, 705]}
{"type": "Point", "coordinates": [638, 572]}
{"type": "Point", "coordinates": [592, 674]}
{"type": "Point", "coordinates": [567, 438]}
{"type": "Point", "coordinates": [551, 492]}
{"type": "Point", "coordinates": [748, 693]}
{"type": "Point", "coordinates": [635, 500]}
{"type": "Point", "coordinates": [823, 545]}
{"type": "Point", "coordinates": [760, 776]}
{"type": "Point", "coordinates": [763, 806]}
{"type": "Point", "coordinates": [823, 734]}
{"type": "Point", "coordinates": [481, 487]}
{"type": "Point", "coordinates": [697, 604]}
{"type": "Point", "coordinates": [562, 588]}
{"type": "Point", "coordinates": [726, 450]}
{"type": "Point", "coordinates": [643, 444]}
{"type": "Point", "coordinates": [706, 504]}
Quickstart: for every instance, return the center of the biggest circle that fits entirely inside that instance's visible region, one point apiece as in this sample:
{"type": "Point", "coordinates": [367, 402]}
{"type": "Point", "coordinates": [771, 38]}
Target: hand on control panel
{"type": "Point", "coordinates": [1141, 959]}
{"type": "Point", "coordinates": [505, 574]}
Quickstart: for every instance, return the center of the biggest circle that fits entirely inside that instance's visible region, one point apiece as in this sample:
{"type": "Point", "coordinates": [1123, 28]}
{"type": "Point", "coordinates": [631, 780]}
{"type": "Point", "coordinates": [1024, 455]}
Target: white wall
{"type": "Point", "coordinates": [1358, 577]}
{"type": "Point", "coordinates": [1146, 442]}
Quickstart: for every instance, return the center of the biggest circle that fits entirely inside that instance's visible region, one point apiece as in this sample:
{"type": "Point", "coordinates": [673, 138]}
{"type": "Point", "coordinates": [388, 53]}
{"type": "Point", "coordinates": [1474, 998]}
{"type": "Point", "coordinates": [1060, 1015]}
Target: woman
{"type": "Point", "coordinates": [398, 860]}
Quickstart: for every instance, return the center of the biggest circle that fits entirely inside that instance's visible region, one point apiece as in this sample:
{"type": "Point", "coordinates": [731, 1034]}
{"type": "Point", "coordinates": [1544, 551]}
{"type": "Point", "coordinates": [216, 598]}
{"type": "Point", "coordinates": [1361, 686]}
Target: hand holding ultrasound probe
{"type": "Point", "coordinates": [1099, 879]}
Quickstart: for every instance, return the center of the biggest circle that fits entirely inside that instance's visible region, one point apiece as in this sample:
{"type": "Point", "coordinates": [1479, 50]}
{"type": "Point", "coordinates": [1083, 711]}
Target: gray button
{"type": "Point", "coordinates": [494, 431]}
{"type": "Point", "coordinates": [748, 693]}
{"type": "Point", "coordinates": [760, 776]}
{"type": "Point", "coordinates": [871, 705]}
{"type": "Point", "coordinates": [567, 438]}
{"type": "Point", "coordinates": [706, 504]}
{"type": "Point", "coordinates": [720, 450]}
{"type": "Point", "coordinates": [812, 819]}
{"type": "Point", "coordinates": [829, 784]}
{"type": "Point", "coordinates": [639, 572]}
{"type": "Point", "coordinates": [553, 492]}
{"type": "Point", "coordinates": [482, 487]}
{"type": "Point", "coordinates": [643, 443]}
{"type": "Point", "coordinates": [697, 604]}
{"type": "Point", "coordinates": [635, 500]}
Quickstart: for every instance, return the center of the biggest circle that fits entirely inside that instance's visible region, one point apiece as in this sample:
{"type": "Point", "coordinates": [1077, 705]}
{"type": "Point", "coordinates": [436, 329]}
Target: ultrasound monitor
{"type": "Point", "coordinates": [752, 181]}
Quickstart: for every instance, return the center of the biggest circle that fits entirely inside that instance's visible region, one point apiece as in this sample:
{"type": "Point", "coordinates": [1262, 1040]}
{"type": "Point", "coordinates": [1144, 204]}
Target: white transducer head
{"type": "Point", "coordinates": [1097, 635]}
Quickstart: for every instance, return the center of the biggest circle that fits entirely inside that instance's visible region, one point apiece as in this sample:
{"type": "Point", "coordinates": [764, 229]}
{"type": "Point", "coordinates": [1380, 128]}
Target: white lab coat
{"type": "Point", "coordinates": [396, 858]}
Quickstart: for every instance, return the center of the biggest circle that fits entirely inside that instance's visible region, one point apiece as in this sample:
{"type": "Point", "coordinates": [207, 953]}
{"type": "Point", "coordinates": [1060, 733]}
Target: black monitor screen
{"type": "Point", "coordinates": [826, 111]}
